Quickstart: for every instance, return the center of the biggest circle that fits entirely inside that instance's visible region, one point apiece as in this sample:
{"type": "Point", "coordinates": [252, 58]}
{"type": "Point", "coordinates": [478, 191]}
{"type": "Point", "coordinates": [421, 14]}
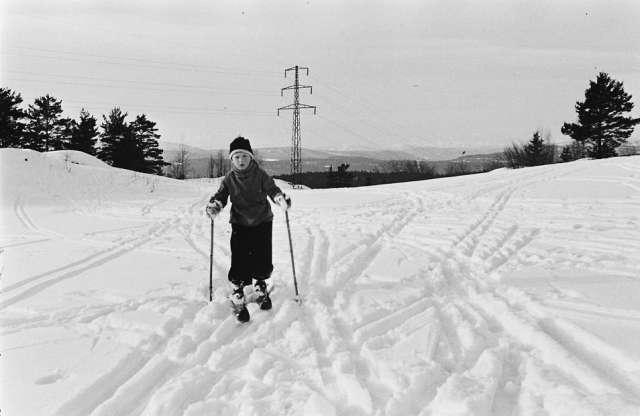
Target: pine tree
{"type": "Point", "coordinates": [566, 155]}
{"type": "Point", "coordinates": [70, 126]}
{"type": "Point", "coordinates": [11, 116]}
{"type": "Point", "coordinates": [127, 153]}
{"type": "Point", "coordinates": [146, 135]}
{"type": "Point", "coordinates": [114, 130]}
{"type": "Point", "coordinates": [84, 133]}
{"type": "Point", "coordinates": [602, 125]}
{"type": "Point", "coordinates": [573, 151]}
{"type": "Point", "coordinates": [45, 128]}
{"type": "Point", "coordinates": [534, 150]}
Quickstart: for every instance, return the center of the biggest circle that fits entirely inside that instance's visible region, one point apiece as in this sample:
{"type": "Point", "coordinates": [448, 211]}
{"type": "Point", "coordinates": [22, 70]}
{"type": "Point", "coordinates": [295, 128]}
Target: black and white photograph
{"type": "Point", "coordinates": [320, 208]}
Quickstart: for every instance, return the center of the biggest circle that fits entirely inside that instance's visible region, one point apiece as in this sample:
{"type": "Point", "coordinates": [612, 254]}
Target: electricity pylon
{"type": "Point", "coordinates": [296, 154]}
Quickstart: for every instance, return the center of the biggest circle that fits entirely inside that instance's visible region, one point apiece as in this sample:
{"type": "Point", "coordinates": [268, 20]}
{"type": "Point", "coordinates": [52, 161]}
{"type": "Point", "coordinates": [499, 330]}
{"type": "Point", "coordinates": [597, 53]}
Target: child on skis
{"type": "Point", "coordinates": [248, 185]}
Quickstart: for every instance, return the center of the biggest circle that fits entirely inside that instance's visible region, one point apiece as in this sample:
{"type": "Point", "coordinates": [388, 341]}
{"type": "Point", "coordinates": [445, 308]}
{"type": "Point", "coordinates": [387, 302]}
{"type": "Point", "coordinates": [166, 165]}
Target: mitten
{"type": "Point", "coordinates": [213, 208]}
{"type": "Point", "coordinates": [283, 201]}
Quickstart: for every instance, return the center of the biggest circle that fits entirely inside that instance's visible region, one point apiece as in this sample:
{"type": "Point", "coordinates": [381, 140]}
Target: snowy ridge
{"type": "Point", "coordinates": [512, 292]}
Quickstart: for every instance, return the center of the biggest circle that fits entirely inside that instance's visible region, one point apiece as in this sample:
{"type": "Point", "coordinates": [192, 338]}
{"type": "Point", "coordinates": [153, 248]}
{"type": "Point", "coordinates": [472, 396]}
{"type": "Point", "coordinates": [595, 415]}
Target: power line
{"type": "Point", "coordinates": [169, 87]}
{"type": "Point", "coordinates": [167, 84]}
{"type": "Point", "coordinates": [374, 122]}
{"type": "Point", "coordinates": [119, 32]}
{"type": "Point", "coordinates": [228, 70]}
{"type": "Point", "coordinates": [350, 131]}
{"type": "Point", "coordinates": [168, 109]}
{"type": "Point", "coordinates": [364, 103]}
{"type": "Point", "coordinates": [140, 63]}
{"type": "Point", "coordinates": [365, 119]}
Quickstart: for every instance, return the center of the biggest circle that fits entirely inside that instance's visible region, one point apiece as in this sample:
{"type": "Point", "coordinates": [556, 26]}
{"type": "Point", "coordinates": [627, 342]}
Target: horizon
{"type": "Point", "coordinates": [321, 149]}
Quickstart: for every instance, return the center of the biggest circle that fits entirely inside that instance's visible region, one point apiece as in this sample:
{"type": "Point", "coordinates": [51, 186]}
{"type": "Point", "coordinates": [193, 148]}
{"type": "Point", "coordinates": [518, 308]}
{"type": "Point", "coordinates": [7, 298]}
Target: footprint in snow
{"type": "Point", "coordinates": [51, 378]}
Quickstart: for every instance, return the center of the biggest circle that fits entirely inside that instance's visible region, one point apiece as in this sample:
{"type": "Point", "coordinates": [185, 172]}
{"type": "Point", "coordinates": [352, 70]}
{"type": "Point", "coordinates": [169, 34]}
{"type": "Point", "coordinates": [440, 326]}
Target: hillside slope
{"type": "Point", "coordinates": [511, 292]}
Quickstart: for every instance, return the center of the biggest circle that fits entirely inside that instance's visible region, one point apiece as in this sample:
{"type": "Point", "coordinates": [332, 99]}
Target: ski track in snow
{"type": "Point", "coordinates": [440, 334]}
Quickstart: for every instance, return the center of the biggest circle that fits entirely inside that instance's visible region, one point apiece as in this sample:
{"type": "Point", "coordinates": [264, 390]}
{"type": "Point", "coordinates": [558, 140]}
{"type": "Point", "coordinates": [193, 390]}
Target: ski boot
{"type": "Point", "coordinates": [239, 305]}
{"type": "Point", "coordinates": [262, 293]}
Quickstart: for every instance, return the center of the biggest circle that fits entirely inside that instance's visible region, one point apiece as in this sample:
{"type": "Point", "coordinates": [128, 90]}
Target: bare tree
{"type": "Point", "coordinates": [457, 166]}
{"type": "Point", "coordinates": [211, 167]}
{"type": "Point", "coordinates": [426, 168]}
{"type": "Point", "coordinates": [223, 164]}
{"type": "Point", "coordinates": [257, 157]}
{"type": "Point", "coordinates": [394, 166]}
{"type": "Point", "coordinates": [181, 164]}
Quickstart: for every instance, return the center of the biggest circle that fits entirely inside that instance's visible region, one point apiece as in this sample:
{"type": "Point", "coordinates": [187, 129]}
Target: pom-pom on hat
{"type": "Point", "coordinates": [240, 145]}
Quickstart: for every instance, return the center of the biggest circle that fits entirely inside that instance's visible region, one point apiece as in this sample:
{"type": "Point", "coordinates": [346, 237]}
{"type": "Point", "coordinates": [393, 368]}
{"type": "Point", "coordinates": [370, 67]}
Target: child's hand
{"type": "Point", "coordinates": [213, 208]}
{"type": "Point", "coordinates": [283, 201]}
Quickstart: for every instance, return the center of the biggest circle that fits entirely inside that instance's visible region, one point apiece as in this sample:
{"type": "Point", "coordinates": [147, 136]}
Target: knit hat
{"type": "Point", "coordinates": [240, 145]}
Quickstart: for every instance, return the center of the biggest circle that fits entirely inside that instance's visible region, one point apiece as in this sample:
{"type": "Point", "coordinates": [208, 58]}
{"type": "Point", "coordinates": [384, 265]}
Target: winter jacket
{"type": "Point", "coordinates": [248, 190]}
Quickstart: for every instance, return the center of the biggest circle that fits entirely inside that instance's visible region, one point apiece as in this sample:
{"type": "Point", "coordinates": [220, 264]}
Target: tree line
{"type": "Point", "coordinates": [602, 127]}
{"type": "Point", "coordinates": [391, 171]}
{"type": "Point", "coordinates": [41, 126]}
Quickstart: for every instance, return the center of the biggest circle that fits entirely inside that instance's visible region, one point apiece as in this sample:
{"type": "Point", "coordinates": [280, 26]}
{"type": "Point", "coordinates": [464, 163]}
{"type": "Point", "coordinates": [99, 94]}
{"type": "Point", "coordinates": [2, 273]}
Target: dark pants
{"type": "Point", "coordinates": [250, 253]}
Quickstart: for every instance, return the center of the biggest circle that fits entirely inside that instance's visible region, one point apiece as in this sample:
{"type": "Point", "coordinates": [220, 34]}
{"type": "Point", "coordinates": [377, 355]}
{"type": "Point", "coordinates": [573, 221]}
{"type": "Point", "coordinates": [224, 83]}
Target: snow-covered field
{"type": "Point", "coordinates": [506, 293]}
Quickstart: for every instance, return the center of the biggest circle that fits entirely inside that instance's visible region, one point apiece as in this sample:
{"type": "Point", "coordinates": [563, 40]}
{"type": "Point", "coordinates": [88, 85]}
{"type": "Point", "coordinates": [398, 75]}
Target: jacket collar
{"type": "Point", "coordinates": [242, 174]}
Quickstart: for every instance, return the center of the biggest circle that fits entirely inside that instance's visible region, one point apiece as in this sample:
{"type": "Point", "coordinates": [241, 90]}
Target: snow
{"type": "Point", "coordinates": [73, 156]}
{"type": "Point", "coordinates": [510, 292]}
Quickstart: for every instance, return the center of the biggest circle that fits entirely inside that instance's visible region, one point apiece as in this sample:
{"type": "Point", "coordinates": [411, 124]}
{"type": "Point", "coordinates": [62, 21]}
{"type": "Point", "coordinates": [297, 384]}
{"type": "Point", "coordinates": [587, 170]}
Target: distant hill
{"type": "Point", "coordinates": [283, 153]}
{"type": "Point", "coordinates": [275, 160]}
{"type": "Point", "coordinates": [420, 153]}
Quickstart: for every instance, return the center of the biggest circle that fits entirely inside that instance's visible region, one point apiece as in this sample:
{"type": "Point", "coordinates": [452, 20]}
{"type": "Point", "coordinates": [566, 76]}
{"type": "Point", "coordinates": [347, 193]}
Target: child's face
{"type": "Point", "coordinates": [241, 161]}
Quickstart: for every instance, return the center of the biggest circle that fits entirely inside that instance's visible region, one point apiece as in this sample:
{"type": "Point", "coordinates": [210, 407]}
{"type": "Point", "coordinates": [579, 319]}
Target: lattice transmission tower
{"type": "Point", "coordinates": [296, 154]}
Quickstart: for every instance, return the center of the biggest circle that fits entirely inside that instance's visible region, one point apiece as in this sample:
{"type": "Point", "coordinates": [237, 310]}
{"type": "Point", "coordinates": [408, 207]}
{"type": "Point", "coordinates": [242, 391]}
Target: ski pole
{"type": "Point", "coordinates": [293, 265]}
{"type": "Point", "coordinates": [211, 265]}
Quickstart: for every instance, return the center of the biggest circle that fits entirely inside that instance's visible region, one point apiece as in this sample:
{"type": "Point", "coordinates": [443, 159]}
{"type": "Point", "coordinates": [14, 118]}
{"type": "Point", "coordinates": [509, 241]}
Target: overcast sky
{"type": "Point", "coordinates": [433, 73]}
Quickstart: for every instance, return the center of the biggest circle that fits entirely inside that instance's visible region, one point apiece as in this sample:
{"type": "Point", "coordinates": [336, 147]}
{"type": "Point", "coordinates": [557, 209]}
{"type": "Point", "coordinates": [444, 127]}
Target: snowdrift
{"type": "Point", "coordinates": [75, 157]}
{"type": "Point", "coordinates": [50, 177]}
{"type": "Point", "coordinates": [511, 292]}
